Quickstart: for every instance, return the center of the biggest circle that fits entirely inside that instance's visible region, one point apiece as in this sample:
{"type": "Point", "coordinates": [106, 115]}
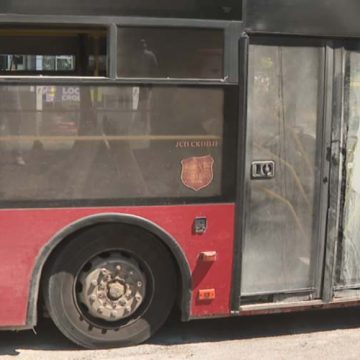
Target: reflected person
{"type": "Point", "coordinates": [146, 66]}
{"type": "Point", "coordinates": [10, 120]}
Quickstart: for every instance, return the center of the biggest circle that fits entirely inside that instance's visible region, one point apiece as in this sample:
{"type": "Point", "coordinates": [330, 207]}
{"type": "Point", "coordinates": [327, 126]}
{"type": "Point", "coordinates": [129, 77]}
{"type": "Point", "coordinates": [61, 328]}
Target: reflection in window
{"type": "Point", "coordinates": [37, 63]}
{"type": "Point", "coordinates": [56, 51]}
{"type": "Point", "coordinates": [74, 143]}
{"type": "Point", "coordinates": [173, 53]}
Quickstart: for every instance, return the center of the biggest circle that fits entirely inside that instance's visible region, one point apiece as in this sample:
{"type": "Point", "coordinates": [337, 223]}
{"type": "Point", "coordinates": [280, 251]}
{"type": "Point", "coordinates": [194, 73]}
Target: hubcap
{"type": "Point", "coordinates": [112, 288]}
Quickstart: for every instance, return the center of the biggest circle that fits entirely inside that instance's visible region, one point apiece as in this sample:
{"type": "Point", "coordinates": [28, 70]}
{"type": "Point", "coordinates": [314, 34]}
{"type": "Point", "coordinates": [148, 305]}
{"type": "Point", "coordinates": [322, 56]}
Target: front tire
{"type": "Point", "coordinates": [110, 286]}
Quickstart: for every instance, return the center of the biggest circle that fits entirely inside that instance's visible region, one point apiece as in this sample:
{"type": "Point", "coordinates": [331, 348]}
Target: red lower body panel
{"type": "Point", "coordinates": [24, 233]}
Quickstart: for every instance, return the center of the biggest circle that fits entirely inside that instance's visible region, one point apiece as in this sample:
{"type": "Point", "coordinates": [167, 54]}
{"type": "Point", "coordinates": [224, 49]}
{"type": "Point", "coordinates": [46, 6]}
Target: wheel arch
{"type": "Point", "coordinates": [143, 223]}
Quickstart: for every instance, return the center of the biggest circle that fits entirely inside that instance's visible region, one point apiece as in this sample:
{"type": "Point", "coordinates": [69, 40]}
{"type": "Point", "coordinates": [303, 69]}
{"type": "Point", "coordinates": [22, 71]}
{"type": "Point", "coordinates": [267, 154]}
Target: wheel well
{"type": "Point", "coordinates": [52, 249]}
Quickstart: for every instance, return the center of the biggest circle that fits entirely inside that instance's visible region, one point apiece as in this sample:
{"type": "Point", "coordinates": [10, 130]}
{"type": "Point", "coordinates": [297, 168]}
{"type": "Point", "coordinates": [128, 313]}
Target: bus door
{"type": "Point", "coordinates": [282, 242]}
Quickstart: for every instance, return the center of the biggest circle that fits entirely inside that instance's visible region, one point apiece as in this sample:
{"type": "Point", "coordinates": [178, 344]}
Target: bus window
{"type": "Point", "coordinates": [110, 142]}
{"type": "Point", "coordinates": [68, 52]}
{"type": "Point", "coordinates": [170, 53]}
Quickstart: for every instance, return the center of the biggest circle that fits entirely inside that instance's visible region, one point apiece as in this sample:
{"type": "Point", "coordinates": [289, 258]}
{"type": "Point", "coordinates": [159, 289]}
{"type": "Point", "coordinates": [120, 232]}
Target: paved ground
{"type": "Point", "coordinates": [314, 335]}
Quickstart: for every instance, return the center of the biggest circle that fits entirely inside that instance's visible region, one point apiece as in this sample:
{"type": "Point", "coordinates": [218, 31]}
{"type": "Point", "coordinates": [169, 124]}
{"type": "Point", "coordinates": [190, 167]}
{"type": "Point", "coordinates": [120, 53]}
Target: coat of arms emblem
{"type": "Point", "coordinates": [197, 172]}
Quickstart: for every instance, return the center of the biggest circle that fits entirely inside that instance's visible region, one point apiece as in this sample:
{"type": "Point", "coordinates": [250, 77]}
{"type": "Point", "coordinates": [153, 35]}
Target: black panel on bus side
{"type": "Point", "coordinates": [205, 9]}
{"type": "Point", "coordinates": [306, 17]}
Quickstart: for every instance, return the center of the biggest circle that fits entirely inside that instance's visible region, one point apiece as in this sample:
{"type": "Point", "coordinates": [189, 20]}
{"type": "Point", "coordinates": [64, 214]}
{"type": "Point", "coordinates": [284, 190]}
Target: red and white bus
{"type": "Point", "coordinates": [202, 154]}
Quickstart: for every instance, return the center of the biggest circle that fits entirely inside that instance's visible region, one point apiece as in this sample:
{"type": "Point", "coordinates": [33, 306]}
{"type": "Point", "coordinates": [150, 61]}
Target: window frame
{"type": "Point", "coordinates": [232, 34]}
{"type": "Point", "coordinates": [233, 31]}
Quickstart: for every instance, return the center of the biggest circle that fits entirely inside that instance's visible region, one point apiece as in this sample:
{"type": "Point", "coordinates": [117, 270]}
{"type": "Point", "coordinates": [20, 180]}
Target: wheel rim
{"type": "Point", "coordinates": [110, 288]}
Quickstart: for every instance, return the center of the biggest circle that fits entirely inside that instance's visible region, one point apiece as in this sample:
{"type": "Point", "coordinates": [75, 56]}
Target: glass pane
{"type": "Point", "coordinates": [61, 142]}
{"type": "Point", "coordinates": [170, 53]}
{"type": "Point", "coordinates": [282, 123]}
{"type": "Point", "coordinates": [53, 51]}
{"type": "Point", "coordinates": [349, 249]}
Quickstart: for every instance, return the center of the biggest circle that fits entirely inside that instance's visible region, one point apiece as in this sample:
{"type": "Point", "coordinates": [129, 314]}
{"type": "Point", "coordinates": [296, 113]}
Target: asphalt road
{"type": "Point", "coordinates": [314, 335]}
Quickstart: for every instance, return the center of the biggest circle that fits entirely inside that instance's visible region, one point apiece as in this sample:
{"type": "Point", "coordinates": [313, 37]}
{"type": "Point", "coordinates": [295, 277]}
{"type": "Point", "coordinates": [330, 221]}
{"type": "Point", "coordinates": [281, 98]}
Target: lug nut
{"type": "Point", "coordinates": [139, 284]}
{"type": "Point", "coordinates": [128, 308]}
{"type": "Point", "coordinates": [122, 302]}
{"type": "Point", "coordinates": [138, 298]}
{"type": "Point", "coordinates": [93, 297]}
{"type": "Point", "coordinates": [118, 268]}
{"type": "Point", "coordinates": [113, 314]}
{"type": "Point", "coordinates": [100, 310]}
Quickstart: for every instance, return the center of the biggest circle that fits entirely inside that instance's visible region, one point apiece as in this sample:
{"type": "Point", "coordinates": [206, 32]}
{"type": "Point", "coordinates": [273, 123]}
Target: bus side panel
{"type": "Point", "coordinates": [303, 17]}
{"type": "Point", "coordinates": [24, 233]}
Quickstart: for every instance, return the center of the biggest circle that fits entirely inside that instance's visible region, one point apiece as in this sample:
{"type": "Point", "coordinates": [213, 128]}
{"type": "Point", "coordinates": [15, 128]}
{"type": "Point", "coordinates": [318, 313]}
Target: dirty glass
{"type": "Point", "coordinates": [170, 53]}
{"type": "Point", "coordinates": [348, 270]}
{"type": "Point", "coordinates": [87, 142]}
{"type": "Point", "coordinates": [282, 127]}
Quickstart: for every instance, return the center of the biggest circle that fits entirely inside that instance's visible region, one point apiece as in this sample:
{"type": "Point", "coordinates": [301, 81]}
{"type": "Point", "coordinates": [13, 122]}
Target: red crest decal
{"type": "Point", "coordinates": [197, 172]}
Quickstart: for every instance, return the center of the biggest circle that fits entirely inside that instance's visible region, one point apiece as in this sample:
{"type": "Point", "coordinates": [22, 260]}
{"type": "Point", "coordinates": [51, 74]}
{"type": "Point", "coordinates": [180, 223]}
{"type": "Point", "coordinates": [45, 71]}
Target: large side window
{"type": "Point", "coordinates": [170, 53]}
{"type": "Point", "coordinates": [111, 142]}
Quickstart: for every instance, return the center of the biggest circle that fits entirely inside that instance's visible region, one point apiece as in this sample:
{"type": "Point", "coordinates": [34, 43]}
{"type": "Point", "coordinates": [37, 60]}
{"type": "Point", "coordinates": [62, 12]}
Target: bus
{"type": "Point", "coordinates": [202, 154]}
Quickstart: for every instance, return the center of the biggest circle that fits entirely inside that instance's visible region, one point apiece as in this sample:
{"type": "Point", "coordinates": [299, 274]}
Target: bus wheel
{"type": "Point", "coordinates": [110, 286]}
